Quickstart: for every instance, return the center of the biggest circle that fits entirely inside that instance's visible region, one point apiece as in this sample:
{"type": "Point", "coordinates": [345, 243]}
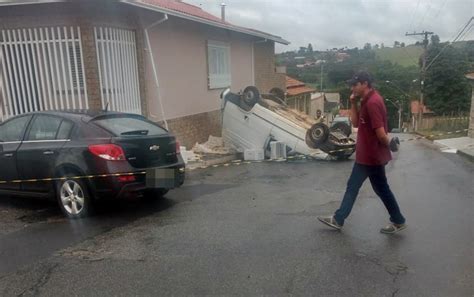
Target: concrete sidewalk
{"type": "Point", "coordinates": [461, 145]}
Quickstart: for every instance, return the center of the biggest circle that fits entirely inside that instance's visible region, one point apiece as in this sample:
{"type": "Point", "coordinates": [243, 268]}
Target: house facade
{"type": "Point", "coordinates": [317, 103]}
{"type": "Point", "coordinates": [298, 95]}
{"type": "Point", "coordinates": [165, 59]}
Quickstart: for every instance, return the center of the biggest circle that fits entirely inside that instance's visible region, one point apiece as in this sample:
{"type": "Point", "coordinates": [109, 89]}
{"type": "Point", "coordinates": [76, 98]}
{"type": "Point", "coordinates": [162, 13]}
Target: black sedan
{"type": "Point", "coordinates": [78, 157]}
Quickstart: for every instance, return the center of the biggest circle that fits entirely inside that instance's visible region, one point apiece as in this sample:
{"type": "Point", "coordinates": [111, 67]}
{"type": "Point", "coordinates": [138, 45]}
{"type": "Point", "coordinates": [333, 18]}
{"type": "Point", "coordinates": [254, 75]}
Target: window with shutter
{"type": "Point", "coordinates": [218, 57]}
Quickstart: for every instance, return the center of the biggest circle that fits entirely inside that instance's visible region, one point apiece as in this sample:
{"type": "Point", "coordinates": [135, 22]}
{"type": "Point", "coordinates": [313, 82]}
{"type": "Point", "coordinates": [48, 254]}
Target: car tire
{"type": "Point", "coordinates": [74, 198]}
{"type": "Point", "coordinates": [277, 95]}
{"type": "Point", "coordinates": [318, 134]}
{"type": "Point", "coordinates": [249, 98]}
{"type": "Point", "coordinates": [343, 127]}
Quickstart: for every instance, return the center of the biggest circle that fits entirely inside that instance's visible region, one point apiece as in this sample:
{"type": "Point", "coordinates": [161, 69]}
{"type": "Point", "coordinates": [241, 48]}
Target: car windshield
{"type": "Point", "coordinates": [130, 126]}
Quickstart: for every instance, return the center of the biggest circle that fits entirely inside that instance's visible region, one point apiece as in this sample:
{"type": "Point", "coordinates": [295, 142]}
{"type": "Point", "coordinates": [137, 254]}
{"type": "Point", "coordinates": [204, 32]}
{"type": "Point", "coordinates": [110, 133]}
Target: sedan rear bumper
{"type": "Point", "coordinates": [115, 187]}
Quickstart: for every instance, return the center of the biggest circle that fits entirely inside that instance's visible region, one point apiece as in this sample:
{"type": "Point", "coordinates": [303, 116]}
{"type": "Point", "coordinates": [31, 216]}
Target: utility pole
{"type": "Point", "coordinates": [322, 65]}
{"type": "Point", "coordinates": [423, 70]}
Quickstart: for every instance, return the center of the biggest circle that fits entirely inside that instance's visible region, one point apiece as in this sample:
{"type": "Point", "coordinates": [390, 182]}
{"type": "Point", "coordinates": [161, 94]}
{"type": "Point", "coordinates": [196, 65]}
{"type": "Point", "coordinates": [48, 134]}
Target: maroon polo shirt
{"type": "Point", "coordinates": [372, 115]}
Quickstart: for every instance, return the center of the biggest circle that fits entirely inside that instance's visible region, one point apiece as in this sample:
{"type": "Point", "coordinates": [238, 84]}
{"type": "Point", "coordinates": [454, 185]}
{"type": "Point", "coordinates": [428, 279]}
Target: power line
{"type": "Point", "coordinates": [449, 43]}
{"type": "Point", "coordinates": [466, 33]}
{"type": "Point", "coordinates": [441, 7]}
{"type": "Point", "coordinates": [413, 15]}
{"type": "Point", "coordinates": [423, 18]}
{"type": "Point", "coordinates": [470, 20]}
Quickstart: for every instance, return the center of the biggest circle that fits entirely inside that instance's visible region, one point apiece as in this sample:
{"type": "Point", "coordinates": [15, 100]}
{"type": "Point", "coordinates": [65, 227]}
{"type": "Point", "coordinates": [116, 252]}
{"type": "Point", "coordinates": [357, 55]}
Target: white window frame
{"type": "Point", "coordinates": [219, 68]}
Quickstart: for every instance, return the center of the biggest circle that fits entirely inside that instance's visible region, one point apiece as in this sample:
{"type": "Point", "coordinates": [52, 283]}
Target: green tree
{"type": "Point", "coordinates": [396, 44]}
{"type": "Point", "coordinates": [446, 88]}
{"type": "Point", "coordinates": [434, 39]}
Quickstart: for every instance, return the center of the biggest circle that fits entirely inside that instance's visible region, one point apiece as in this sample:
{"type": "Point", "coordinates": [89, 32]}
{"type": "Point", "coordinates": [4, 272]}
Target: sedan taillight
{"type": "Point", "coordinates": [111, 152]}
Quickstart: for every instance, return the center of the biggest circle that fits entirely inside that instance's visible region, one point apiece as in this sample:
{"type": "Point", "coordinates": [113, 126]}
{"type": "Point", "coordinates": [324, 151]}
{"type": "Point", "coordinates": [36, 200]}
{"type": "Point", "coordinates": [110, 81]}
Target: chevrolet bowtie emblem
{"type": "Point", "coordinates": [154, 147]}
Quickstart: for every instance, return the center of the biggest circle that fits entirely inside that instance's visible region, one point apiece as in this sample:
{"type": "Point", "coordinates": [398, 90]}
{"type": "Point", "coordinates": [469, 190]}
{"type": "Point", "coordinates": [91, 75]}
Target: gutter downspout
{"type": "Point", "coordinates": [155, 74]}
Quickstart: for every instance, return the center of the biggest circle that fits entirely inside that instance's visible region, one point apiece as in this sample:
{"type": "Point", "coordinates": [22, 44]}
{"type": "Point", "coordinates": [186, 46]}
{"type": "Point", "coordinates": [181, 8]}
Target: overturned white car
{"type": "Point", "coordinates": [252, 122]}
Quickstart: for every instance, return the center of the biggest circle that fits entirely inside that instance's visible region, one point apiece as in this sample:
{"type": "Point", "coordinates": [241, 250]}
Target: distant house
{"type": "Point", "coordinates": [164, 59]}
{"type": "Point", "coordinates": [317, 103]}
{"type": "Point", "coordinates": [341, 57]}
{"type": "Point", "coordinates": [298, 95]}
{"type": "Point", "coordinates": [326, 102]}
{"type": "Point", "coordinates": [344, 112]}
{"type": "Point", "coordinates": [332, 101]}
{"type": "Point", "coordinates": [415, 108]}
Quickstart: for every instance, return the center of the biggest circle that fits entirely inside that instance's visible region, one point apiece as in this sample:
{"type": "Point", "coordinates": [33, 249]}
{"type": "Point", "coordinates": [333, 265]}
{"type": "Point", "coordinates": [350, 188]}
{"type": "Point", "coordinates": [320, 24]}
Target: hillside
{"type": "Point", "coordinates": [404, 56]}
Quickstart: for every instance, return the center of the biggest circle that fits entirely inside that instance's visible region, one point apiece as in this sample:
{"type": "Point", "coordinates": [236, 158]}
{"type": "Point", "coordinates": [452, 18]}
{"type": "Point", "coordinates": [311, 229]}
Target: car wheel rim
{"type": "Point", "coordinates": [317, 133]}
{"type": "Point", "coordinates": [72, 197]}
{"type": "Point", "coordinates": [248, 97]}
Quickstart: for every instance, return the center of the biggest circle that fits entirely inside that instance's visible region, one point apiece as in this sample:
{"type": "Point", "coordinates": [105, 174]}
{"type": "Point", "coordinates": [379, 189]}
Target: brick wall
{"type": "Point", "coordinates": [196, 128]}
{"type": "Point", "coordinates": [265, 76]}
{"type": "Point", "coordinates": [90, 65]}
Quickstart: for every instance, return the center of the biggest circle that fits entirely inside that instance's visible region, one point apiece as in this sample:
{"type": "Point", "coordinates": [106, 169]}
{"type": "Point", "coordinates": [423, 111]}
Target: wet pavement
{"type": "Point", "coordinates": [251, 230]}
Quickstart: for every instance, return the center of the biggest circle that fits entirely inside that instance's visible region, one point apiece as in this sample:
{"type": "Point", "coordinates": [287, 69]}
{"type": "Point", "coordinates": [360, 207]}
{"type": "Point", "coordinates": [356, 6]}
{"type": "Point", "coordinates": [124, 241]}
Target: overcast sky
{"type": "Point", "coordinates": [338, 23]}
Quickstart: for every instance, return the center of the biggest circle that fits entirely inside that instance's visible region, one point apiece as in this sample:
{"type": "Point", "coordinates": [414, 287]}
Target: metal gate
{"type": "Point", "coordinates": [41, 69]}
{"type": "Point", "coordinates": [118, 69]}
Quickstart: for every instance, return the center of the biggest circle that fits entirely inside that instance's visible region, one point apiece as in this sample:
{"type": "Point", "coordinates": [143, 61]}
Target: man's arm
{"type": "Point", "coordinates": [354, 111]}
{"type": "Point", "coordinates": [382, 136]}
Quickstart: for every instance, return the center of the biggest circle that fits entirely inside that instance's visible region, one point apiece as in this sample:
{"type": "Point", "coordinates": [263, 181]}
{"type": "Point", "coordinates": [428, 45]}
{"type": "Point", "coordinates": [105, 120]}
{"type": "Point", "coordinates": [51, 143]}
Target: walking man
{"type": "Point", "coordinates": [372, 154]}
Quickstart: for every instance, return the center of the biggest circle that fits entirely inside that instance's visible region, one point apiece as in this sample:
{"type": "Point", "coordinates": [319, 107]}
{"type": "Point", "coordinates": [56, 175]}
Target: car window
{"type": "Point", "coordinates": [44, 128]}
{"type": "Point", "coordinates": [13, 129]}
{"type": "Point", "coordinates": [64, 130]}
{"type": "Point", "coordinates": [130, 126]}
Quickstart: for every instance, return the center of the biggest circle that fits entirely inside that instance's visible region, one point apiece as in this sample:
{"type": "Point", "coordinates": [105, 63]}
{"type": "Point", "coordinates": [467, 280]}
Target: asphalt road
{"type": "Point", "coordinates": [251, 230]}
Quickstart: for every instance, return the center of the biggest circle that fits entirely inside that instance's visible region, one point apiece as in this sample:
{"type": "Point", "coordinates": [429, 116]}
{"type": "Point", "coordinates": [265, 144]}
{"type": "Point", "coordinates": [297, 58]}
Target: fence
{"type": "Point", "coordinates": [118, 75]}
{"type": "Point", "coordinates": [41, 69]}
{"type": "Point", "coordinates": [446, 122]}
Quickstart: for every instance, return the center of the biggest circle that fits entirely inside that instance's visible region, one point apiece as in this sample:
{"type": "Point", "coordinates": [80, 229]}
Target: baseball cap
{"type": "Point", "coordinates": [361, 77]}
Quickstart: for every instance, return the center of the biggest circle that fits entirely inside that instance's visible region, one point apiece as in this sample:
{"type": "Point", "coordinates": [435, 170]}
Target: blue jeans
{"type": "Point", "coordinates": [378, 179]}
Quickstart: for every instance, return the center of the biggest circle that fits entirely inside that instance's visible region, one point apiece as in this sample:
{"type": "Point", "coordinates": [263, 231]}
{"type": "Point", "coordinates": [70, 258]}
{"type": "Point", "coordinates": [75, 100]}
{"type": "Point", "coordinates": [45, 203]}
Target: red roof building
{"type": "Point", "coordinates": [295, 87]}
{"type": "Point", "coordinates": [298, 95]}
{"type": "Point", "coordinates": [415, 107]}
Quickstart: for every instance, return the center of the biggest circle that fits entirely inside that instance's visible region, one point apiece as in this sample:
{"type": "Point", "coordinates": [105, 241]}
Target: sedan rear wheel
{"type": "Point", "coordinates": [73, 198]}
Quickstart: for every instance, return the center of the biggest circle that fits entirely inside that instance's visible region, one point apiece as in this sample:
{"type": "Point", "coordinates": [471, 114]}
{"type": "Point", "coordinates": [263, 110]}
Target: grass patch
{"type": "Point", "coordinates": [404, 56]}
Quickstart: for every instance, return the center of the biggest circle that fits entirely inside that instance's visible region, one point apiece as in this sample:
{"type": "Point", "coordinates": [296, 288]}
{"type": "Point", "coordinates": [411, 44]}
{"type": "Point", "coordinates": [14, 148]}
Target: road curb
{"type": "Point", "coordinates": [466, 155]}
{"type": "Point", "coordinates": [214, 161]}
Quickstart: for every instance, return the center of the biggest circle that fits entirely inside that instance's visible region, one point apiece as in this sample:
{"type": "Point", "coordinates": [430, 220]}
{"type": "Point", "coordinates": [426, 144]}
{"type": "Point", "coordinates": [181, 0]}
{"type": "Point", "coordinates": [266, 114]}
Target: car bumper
{"type": "Point", "coordinates": [116, 187]}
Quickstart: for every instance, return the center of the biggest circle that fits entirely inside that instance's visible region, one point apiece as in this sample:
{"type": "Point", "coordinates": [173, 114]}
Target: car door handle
{"type": "Point", "coordinates": [8, 155]}
{"type": "Point", "coordinates": [48, 153]}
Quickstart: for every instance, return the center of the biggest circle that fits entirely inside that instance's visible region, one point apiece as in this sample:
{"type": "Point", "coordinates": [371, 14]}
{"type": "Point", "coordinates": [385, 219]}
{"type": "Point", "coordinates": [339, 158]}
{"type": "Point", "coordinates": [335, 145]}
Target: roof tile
{"type": "Point", "coordinates": [299, 90]}
{"type": "Point", "coordinates": [183, 8]}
